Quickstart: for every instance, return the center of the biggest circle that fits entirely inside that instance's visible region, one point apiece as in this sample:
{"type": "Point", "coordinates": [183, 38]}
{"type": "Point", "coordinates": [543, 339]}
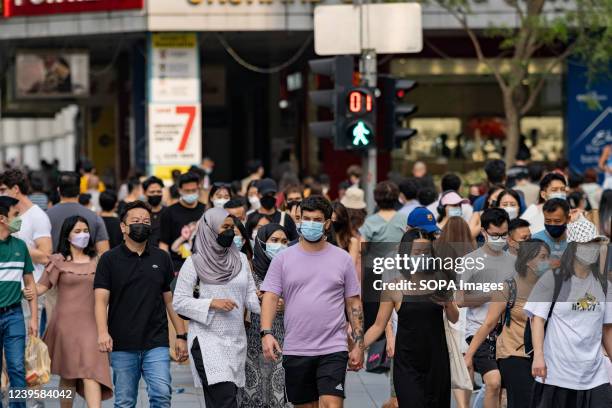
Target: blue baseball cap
{"type": "Point", "coordinates": [422, 218]}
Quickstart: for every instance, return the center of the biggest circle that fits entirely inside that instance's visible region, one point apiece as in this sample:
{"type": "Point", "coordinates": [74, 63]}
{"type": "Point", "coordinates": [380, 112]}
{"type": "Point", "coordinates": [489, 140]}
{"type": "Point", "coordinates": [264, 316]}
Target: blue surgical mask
{"type": "Point", "coordinates": [190, 198]}
{"type": "Point", "coordinates": [238, 242]}
{"type": "Point", "coordinates": [561, 195]}
{"type": "Point", "coordinates": [542, 268]}
{"type": "Point", "coordinates": [455, 212]}
{"type": "Point", "coordinates": [312, 231]}
{"type": "Point", "coordinates": [273, 248]}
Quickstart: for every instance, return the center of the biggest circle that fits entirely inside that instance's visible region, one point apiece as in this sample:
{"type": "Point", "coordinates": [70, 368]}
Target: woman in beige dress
{"type": "Point", "coordinates": [71, 335]}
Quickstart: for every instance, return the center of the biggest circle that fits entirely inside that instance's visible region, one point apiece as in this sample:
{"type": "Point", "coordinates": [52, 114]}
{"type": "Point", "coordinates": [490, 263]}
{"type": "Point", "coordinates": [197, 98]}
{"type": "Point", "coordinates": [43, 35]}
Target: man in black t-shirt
{"type": "Point", "coordinates": [154, 189]}
{"type": "Point", "coordinates": [132, 297]}
{"type": "Point", "coordinates": [267, 190]}
{"type": "Point", "coordinates": [108, 202]}
{"type": "Point", "coordinates": [178, 221]}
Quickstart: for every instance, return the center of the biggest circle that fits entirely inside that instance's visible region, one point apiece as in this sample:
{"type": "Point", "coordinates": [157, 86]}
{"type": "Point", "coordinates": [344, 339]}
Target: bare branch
{"type": "Point", "coordinates": [462, 19]}
{"type": "Point", "coordinates": [517, 6]}
{"type": "Point", "coordinates": [535, 91]}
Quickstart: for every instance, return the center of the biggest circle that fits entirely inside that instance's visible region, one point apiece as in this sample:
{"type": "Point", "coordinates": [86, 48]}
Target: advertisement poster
{"type": "Point", "coordinates": [51, 74]}
{"type": "Point", "coordinates": [174, 113]}
{"type": "Point", "coordinates": [175, 134]}
{"type": "Point", "coordinates": [589, 118]}
{"type": "Point", "coordinates": [174, 68]}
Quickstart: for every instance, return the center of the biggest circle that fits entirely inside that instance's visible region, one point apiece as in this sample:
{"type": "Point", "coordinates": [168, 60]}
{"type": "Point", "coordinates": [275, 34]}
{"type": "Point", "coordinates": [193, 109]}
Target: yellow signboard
{"type": "Point", "coordinates": [175, 40]}
{"type": "Point", "coordinates": [165, 172]}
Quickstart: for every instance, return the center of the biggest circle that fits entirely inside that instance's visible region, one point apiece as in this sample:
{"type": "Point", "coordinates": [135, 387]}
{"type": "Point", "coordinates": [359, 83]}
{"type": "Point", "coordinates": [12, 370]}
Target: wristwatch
{"type": "Point", "coordinates": [182, 336]}
{"type": "Point", "coordinates": [264, 333]}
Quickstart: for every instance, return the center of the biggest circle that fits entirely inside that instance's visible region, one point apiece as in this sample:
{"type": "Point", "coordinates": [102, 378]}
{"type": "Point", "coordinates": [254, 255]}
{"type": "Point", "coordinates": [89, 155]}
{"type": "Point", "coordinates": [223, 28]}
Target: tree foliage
{"type": "Point", "coordinates": [580, 28]}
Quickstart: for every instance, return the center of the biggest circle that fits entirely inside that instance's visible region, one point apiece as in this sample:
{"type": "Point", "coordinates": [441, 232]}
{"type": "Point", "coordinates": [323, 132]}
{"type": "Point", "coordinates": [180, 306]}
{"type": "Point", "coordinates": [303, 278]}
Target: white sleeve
{"type": "Point", "coordinates": [42, 226]}
{"type": "Point", "coordinates": [183, 301]}
{"type": "Point", "coordinates": [252, 301]}
{"type": "Point", "coordinates": [608, 305]}
{"type": "Point", "coordinates": [540, 299]}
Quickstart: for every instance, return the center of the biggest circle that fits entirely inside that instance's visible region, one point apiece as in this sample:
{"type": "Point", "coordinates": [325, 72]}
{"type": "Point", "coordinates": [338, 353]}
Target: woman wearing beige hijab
{"type": "Point", "coordinates": [217, 338]}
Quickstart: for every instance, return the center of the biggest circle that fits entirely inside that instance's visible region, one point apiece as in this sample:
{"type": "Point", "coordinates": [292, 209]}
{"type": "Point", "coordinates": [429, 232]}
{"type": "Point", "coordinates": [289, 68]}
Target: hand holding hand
{"type": "Point", "coordinates": [28, 293]}
{"type": "Point", "coordinates": [356, 357]}
{"type": "Point", "coordinates": [105, 343]}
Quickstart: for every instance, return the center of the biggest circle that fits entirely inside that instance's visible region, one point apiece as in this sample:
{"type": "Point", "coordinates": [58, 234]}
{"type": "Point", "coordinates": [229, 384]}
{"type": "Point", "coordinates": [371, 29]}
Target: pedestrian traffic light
{"type": "Point", "coordinates": [396, 112]}
{"type": "Point", "coordinates": [360, 129]}
{"type": "Point", "coordinates": [340, 71]}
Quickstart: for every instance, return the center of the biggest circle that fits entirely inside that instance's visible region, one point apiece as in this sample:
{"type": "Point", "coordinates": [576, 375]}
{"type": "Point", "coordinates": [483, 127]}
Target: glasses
{"type": "Point", "coordinates": [502, 235]}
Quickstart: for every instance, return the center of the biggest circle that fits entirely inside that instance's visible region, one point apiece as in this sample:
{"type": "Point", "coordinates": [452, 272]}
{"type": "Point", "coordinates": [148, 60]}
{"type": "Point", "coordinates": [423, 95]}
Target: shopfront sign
{"type": "Point", "coordinates": [16, 8]}
{"type": "Point", "coordinates": [174, 112]}
{"type": "Point", "coordinates": [589, 118]}
{"type": "Point", "coordinates": [232, 15]}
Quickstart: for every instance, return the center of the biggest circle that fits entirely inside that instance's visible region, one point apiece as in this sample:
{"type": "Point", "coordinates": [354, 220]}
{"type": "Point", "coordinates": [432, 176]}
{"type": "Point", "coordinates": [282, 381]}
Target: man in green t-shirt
{"type": "Point", "coordinates": [15, 267]}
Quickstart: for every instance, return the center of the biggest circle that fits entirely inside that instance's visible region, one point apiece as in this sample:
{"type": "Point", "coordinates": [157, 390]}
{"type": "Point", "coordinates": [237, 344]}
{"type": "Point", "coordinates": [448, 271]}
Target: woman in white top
{"type": "Point", "coordinates": [217, 338]}
{"type": "Point", "coordinates": [553, 185]}
{"type": "Point", "coordinates": [568, 362]}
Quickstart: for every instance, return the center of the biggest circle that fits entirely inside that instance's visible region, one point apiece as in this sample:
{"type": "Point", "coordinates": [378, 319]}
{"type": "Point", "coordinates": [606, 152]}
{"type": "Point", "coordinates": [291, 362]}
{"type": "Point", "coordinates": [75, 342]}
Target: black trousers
{"type": "Point", "coordinates": [221, 395]}
{"type": "Point", "coordinates": [517, 379]}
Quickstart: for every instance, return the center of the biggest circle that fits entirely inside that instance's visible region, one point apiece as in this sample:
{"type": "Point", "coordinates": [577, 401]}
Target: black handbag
{"type": "Point", "coordinates": [378, 362]}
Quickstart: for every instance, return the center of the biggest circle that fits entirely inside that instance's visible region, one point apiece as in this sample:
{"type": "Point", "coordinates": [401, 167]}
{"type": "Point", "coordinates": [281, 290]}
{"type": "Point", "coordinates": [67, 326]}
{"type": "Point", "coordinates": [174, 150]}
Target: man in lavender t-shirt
{"type": "Point", "coordinates": [318, 283]}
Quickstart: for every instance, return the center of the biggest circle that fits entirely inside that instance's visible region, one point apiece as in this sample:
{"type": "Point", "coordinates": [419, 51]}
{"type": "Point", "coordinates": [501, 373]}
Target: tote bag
{"type": "Point", "coordinates": [460, 376]}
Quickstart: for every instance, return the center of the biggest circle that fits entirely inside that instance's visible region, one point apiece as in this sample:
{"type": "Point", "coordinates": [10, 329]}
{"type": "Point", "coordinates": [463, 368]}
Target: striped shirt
{"type": "Point", "coordinates": [15, 262]}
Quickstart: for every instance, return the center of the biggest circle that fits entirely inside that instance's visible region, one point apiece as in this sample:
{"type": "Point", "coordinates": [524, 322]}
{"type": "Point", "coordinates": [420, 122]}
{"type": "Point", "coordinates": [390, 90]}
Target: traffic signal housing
{"type": "Point", "coordinates": [340, 71]}
{"type": "Point", "coordinates": [396, 111]}
{"type": "Point", "coordinates": [354, 108]}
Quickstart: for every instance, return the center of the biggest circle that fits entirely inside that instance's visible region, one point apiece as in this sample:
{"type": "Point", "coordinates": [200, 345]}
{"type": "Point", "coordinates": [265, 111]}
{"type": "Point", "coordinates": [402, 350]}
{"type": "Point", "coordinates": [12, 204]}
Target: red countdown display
{"type": "Point", "coordinates": [360, 101]}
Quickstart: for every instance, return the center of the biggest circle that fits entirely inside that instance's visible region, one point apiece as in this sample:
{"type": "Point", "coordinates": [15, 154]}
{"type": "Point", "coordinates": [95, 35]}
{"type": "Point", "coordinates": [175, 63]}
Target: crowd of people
{"type": "Point", "coordinates": [267, 291]}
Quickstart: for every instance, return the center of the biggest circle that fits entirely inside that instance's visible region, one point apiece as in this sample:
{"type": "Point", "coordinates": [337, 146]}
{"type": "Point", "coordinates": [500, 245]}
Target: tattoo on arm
{"type": "Point", "coordinates": [356, 318]}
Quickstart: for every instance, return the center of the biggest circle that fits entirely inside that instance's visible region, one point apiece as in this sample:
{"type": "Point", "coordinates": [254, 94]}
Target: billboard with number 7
{"type": "Point", "coordinates": [174, 133]}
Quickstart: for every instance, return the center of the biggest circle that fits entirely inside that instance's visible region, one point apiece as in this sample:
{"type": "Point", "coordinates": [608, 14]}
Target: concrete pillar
{"type": "Point", "coordinates": [31, 156]}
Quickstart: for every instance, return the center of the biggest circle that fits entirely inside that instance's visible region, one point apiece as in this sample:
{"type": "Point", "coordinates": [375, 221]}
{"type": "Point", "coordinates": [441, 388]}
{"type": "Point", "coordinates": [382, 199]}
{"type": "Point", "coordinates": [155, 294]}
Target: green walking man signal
{"type": "Point", "coordinates": [360, 133]}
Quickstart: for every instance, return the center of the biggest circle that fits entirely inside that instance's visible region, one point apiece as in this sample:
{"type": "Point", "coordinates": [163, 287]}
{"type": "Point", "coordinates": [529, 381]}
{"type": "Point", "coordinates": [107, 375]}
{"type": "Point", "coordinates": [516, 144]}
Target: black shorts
{"type": "Point", "coordinates": [484, 358]}
{"type": "Point", "coordinates": [307, 378]}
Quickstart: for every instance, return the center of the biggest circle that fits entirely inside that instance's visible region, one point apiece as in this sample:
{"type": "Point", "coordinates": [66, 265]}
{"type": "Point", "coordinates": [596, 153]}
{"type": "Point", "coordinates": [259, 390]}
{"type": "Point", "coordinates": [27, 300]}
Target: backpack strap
{"type": "Point", "coordinates": [556, 292]}
{"type": "Point", "coordinates": [511, 301]}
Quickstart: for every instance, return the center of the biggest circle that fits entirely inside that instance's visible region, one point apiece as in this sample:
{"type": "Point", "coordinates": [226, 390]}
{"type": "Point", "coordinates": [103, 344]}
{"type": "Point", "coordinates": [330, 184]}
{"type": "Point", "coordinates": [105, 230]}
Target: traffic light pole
{"type": "Point", "coordinates": [368, 71]}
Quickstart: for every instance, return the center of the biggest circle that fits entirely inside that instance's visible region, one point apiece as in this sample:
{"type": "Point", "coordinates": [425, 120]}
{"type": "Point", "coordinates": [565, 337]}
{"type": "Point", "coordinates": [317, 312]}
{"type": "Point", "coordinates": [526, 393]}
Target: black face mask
{"type": "Point", "coordinates": [226, 238]}
{"type": "Point", "coordinates": [268, 202]}
{"type": "Point", "coordinates": [154, 200]}
{"type": "Point", "coordinates": [139, 232]}
{"type": "Point", "coordinates": [337, 225]}
{"type": "Point", "coordinates": [555, 231]}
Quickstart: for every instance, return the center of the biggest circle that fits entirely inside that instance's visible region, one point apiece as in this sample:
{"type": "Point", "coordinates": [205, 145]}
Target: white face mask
{"type": "Point", "coordinates": [455, 212]}
{"type": "Point", "coordinates": [254, 201]}
{"type": "Point", "coordinates": [512, 212]}
{"type": "Point", "coordinates": [220, 202]}
{"type": "Point", "coordinates": [559, 194]}
{"type": "Point", "coordinates": [80, 240]}
{"type": "Point", "coordinates": [496, 243]}
{"type": "Point", "coordinates": [587, 253]}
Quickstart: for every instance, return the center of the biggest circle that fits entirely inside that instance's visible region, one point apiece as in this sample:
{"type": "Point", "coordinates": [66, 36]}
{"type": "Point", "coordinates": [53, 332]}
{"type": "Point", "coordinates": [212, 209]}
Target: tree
{"type": "Point", "coordinates": [580, 28]}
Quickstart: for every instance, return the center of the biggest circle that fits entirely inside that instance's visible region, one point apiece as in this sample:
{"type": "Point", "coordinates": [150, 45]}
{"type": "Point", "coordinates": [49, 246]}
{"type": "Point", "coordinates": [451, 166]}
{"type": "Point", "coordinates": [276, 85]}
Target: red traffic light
{"type": "Point", "coordinates": [400, 93]}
